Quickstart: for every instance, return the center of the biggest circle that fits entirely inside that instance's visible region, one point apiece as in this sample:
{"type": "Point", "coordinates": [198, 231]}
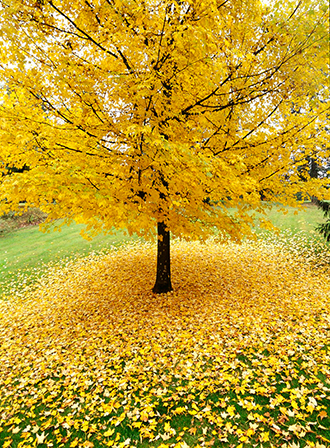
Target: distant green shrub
{"type": "Point", "coordinates": [13, 221]}
{"type": "Point", "coordinates": [6, 226]}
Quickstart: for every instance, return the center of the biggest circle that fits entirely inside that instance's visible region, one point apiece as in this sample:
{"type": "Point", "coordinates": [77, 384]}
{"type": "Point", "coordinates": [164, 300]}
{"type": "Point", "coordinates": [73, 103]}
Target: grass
{"type": "Point", "coordinates": [26, 252]}
{"type": "Point", "coordinates": [293, 219]}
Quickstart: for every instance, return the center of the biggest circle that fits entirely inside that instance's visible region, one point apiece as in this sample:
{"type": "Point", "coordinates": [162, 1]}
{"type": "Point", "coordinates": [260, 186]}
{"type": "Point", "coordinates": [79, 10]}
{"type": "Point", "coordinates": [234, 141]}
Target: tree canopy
{"type": "Point", "coordinates": [130, 113]}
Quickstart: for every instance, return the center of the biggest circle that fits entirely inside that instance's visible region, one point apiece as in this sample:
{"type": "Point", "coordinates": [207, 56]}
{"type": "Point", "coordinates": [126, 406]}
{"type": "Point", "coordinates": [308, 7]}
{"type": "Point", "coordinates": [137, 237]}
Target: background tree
{"type": "Point", "coordinates": [324, 228]}
{"type": "Point", "coordinates": [132, 114]}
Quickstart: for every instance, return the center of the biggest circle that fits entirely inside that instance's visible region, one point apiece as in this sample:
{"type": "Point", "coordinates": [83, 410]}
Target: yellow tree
{"type": "Point", "coordinates": [172, 114]}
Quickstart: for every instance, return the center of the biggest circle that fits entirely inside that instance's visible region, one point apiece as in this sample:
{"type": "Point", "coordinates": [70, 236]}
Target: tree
{"type": "Point", "coordinates": [324, 228]}
{"type": "Point", "coordinates": [132, 113]}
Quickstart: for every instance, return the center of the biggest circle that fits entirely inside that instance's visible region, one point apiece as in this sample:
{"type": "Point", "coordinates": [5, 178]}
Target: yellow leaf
{"type": "Point", "coordinates": [179, 410]}
{"type": "Point", "coordinates": [88, 444]}
{"type": "Point", "coordinates": [264, 436]}
{"type": "Point", "coordinates": [323, 414]}
{"type": "Point", "coordinates": [109, 432]}
{"type": "Point", "coordinates": [7, 443]}
{"type": "Point", "coordinates": [231, 410]}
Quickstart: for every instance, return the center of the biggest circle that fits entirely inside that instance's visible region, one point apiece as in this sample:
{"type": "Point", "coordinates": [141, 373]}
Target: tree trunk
{"type": "Point", "coordinates": [313, 168]}
{"type": "Point", "coordinates": [314, 173]}
{"type": "Point", "coordinates": [163, 279]}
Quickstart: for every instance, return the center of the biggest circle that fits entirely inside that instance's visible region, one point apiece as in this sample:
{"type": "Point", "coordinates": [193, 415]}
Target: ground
{"type": "Point", "coordinates": [236, 356]}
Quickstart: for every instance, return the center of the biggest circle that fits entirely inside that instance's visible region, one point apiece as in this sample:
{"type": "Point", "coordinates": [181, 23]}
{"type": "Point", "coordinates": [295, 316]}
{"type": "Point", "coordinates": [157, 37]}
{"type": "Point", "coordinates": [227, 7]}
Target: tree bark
{"type": "Point", "coordinates": [163, 278]}
{"type": "Point", "coordinates": [314, 173]}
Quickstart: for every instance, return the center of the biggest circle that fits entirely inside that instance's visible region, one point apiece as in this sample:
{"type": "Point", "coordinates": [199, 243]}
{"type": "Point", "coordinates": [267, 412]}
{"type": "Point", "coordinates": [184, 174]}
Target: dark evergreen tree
{"type": "Point", "coordinates": [324, 228]}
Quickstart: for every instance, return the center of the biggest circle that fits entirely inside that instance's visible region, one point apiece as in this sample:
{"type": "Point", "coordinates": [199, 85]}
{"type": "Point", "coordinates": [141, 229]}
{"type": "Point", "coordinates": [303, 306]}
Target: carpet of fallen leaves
{"type": "Point", "coordinates": [237, 356]}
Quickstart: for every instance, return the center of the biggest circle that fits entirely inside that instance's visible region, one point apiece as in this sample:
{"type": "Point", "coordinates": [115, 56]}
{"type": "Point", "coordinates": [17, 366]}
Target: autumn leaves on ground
{"type": "Point", "coordinates": [236, 356]}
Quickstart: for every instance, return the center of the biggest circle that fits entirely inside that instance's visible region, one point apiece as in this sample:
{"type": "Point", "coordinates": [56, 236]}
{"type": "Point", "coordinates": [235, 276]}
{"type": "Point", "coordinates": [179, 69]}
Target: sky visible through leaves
{"type": "Point", "coordinates": [236, 356]}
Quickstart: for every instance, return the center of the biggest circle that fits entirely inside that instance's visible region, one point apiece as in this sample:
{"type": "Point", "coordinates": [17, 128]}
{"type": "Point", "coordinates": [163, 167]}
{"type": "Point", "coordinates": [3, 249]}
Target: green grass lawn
{"type": "Point", "coordinates": [25, 252]}
{"type": "Point", "coordinates": [296, 219]}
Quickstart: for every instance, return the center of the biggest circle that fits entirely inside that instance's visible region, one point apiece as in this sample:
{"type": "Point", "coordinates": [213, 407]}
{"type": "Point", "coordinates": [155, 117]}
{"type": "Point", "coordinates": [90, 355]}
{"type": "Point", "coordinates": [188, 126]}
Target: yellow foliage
{"type": "Point", "coordinates": [130, 113]}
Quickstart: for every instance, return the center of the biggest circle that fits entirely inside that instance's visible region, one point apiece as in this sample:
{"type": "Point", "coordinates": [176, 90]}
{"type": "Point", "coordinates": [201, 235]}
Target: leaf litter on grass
{"type": "Point", "coordinates": [236, 356]}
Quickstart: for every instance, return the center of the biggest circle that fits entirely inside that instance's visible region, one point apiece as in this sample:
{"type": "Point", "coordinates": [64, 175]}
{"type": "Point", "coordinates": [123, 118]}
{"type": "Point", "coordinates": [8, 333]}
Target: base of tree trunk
{"type": "Point", "coordinates": [162, 289]}
{"type": "Point", "coordinates": [163, 278]}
